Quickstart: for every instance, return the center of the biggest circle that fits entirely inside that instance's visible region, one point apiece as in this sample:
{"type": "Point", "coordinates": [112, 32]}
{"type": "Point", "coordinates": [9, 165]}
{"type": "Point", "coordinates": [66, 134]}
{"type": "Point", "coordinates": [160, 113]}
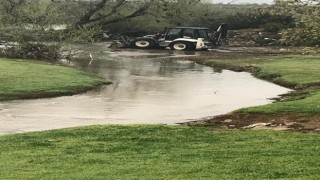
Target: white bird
{"type": "Point", "coordinates": [90, 58]}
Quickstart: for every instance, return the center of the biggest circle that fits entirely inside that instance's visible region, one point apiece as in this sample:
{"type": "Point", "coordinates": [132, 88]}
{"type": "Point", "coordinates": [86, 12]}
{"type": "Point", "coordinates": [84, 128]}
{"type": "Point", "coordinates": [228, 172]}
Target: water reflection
{"type": "Point", "coordinates": [145, 91]}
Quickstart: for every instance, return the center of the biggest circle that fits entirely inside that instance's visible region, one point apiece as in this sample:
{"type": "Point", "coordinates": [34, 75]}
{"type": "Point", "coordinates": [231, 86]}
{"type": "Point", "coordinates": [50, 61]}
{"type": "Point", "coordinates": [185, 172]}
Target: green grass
{"type": "Point", "coordinates": [309, 105]}
{"type": "Point", "coordinates": [285, 70]}
{"type": "Point", "coordinates": [159, 152]}
{"type": "Point", "coordinates": [293, 69]}
{"type": "Point", "coordinates": [25, 79]}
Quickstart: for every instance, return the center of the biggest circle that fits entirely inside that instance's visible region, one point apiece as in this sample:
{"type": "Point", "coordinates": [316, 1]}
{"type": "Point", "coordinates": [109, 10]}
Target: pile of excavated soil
{"type": "Point", "coordinates": [298, 122]}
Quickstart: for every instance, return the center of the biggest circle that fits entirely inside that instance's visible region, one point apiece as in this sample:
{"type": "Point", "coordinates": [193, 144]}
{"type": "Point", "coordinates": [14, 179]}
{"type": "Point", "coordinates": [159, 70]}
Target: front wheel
{"type": "Point", "coordinates": [143, 43]}
{"type": "Point", "coordinates": [182, 46]}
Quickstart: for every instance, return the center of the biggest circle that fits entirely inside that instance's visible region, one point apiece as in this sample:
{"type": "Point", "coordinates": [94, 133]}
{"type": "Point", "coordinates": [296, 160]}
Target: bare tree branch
{"type": "Point", "coordinates": [107, 11]}
{"type": "Point", "coordinates": [94, 9]}
{"type": "Point", "coordinates": [139, 12]}
{"type": "Point", "coordinates": [112, 12]}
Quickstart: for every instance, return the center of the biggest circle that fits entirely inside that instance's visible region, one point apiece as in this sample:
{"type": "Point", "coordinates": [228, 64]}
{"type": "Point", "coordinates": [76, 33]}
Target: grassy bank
{"type": "Point", "coordinates": [298, 72]}
{"type": "Point", "coordinates": [301, 72]}
{"type": "Point", "coordinates": [159, 152]}
{"type": "Point", "coordinates": [25, 80]}
{"type": "Point", "coordinates": [284, 70]}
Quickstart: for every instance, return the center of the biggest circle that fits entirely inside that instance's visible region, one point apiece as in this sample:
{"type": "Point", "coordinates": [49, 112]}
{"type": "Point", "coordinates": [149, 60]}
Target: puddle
{"type": "Point", "coordinates": [145, 91]}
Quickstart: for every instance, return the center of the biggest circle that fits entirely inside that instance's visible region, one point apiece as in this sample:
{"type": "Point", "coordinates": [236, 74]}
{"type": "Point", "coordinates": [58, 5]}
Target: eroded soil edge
{"type": "Point", "coordinates": [298, 122]}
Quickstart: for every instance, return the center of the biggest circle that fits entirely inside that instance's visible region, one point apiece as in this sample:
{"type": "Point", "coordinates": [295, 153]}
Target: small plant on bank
{"type": "Point", "coordinates": [28, 50]}
{"type": "Point", "coordinates": [80, 34]}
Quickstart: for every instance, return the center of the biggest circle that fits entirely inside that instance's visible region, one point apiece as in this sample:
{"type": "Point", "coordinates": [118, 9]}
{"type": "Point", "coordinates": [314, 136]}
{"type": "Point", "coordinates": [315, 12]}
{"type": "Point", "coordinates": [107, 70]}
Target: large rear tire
{"type": "Point", "coordinates": [182, 46]}
{"type": "Point", "coordinates": [143, 43]}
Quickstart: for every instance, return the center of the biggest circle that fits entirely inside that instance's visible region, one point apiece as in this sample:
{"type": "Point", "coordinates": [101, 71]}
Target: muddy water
{"type": "Point", "coordinates": [149, 88]}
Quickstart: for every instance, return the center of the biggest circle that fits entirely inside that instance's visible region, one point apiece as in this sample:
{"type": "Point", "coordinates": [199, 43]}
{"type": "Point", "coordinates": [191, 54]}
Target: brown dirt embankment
{"type": "Point", "coordinates": [297, 122]}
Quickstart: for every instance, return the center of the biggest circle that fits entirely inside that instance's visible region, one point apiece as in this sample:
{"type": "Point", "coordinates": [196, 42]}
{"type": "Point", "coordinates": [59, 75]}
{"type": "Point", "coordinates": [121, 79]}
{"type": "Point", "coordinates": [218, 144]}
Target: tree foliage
{"type": "Point", "coordinates": [85, 18]}
{"type": "Point", "coordinates": [37, 13]}
{"type": "Point", "coordinates": [24, 22]}
{"type": "Point", "coordinates": [307, 21]}
{"type": "Point", "coordinates": [104, 12]}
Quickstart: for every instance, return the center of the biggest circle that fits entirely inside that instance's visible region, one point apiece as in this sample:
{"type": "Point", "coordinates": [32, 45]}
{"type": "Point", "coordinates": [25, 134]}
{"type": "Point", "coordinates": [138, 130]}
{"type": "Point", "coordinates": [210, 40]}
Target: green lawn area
{"type": "Point", "coordinates": [29, 79]}
{"type": "Point", "coordinates": [159, 152]}
{"type": "Point", "coordinates": [299, 70]}
{"type": "Point", "coordinates": [309, 105]}
{"type": "Point", "coordinates": [294, 69]}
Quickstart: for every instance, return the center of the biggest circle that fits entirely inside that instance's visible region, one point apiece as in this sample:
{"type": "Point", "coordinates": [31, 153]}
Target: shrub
{"type": "Point", "coordinates": [79, 35]}
{"type": "Point", "coordinates": [27, 50]}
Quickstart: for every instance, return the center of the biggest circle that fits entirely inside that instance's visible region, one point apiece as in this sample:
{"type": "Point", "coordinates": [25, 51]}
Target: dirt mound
{"type": "Point", "coordinates": [252, 37]}
{"type": "Point", "coordinates": [298, 122]}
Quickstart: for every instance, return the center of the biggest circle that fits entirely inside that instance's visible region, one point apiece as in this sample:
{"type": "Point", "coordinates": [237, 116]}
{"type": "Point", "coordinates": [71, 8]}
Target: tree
{"type": "Point", "coordinates": [307, 21]}
{"type": "Point", "coordinates": [28, 12]}
{"type": "Point", "coordinates": [24, 22]}
{"type": "Point", "coordinates": [103, 12]}
{"type": "Point", "coordinates": [181, 12]}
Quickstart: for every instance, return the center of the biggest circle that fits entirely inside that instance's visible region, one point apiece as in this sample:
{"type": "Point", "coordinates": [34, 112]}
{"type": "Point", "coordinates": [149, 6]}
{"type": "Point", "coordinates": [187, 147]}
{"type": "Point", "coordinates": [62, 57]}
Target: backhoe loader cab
{"type": "Point", "coordinates": [178, 38]}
